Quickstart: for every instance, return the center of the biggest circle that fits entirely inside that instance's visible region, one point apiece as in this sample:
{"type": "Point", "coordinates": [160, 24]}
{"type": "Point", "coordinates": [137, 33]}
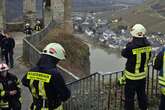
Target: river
{"type": "Point", "coordinates": [102, 60]}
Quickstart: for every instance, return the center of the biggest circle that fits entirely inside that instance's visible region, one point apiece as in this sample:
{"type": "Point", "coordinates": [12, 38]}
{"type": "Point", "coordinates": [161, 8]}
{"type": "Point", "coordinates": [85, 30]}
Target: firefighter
{"type": "Point", "coordinates": [10, 92]}
{"type": "Point", "coordinates": [8, 45]}
{"type": "Point", "coordinates": [37, 26]}
{"type": "Point", "coordinates": [45, 82]}
{"type": "Point", "coordinates": [138, 55]}
{"type": "Point", "coordinates": [27, 29]}
{"type": "Point", "coordinates": [2, 36]}
{"type": "Point", "coordinates": [159, 64]}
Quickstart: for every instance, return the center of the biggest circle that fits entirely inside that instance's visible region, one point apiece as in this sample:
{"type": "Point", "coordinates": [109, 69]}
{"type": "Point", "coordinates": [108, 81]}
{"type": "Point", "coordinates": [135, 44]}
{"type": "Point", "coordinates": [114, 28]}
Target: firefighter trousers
{"type": "Point", "coordinates": [133, 87]}
{"type": "Point", "coordinates": [162, 103]}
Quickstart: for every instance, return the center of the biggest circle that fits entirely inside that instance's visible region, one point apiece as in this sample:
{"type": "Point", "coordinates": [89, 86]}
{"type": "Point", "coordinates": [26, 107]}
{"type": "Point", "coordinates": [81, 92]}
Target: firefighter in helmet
{"type": "Point", "coordinates": [138, 55]}
{"type": "Point", "coordinates": [10, 92]}
{"type": "Point", "coordinates": [159, 64]}
{"type": "Point", "coordinates": [37, 26]}
{"type": "Point", "coordinates": [27, 29]}
{"type": "Point", "coordinates": [45, 82]}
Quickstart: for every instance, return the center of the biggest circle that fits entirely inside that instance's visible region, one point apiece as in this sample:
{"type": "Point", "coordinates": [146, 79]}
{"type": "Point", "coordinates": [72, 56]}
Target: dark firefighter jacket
{"type": "Point", "coordinates": [28, 30]}
{"type": "Point", "coordinates": [37, 27]}
{"type": "Point", "coordinates": [159, 64]}
{"type": "Point", "coordinates": [137, 53]}
{"type": "Point", "coordinates": [8, 84]}
{"type": "Point", "coordinates": [55, 89]}
{"type": "Point", "coordinates": [1, 38]}
{"type": "Point", "coordinates": [8, 44]}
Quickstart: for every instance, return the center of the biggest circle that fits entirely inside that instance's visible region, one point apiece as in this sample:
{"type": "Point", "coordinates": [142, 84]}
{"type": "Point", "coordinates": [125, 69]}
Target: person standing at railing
{"type": "Point", "coordinates": [38, 26]}
{"type": "Point", "coordinates": [45, 82]}
{"type": "Point", "coordinates": [159, 64]}
{"type": "Point", "coordinates": [138, 54]}
{"type": "Point", "coordinates": [27, 29]}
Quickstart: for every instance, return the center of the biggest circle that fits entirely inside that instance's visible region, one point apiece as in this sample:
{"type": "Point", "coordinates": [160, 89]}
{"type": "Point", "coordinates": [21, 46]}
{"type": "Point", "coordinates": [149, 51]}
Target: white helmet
{"type": "Point", "coordinates": [3, 67]}
{"type": "Point", "coordinates": [27, 24]}
{"type": "Point", "coordinates": [38, 22]}
{"type": "Point", "coordinates": [54, 50]}
{"type": "Point", "coordinates": [138, 30]}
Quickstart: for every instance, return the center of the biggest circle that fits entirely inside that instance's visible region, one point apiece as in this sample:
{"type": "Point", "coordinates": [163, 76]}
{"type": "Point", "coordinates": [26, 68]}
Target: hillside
{"type": "Point", "coordinates": [98, 5]}
{"type": "Point", "coordinates": [77, 52]}
{"type": "Point", "coordinates": [150, 14]}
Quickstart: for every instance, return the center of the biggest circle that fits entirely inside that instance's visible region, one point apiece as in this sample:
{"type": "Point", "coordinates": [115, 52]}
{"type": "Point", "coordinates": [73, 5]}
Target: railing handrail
{"type": "Point", "coordinates": [105, 89]}
{"type": "Point", "coordinates": [39, 52]}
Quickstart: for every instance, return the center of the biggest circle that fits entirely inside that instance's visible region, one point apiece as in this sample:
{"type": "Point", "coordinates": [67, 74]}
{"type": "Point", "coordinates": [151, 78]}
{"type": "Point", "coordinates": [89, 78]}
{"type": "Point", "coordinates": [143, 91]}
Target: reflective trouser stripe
{"type": "Point", "coordinates": [44, 108]}
{"type": "Point", "coordinates": [162, 78]}
{"type": "Point", "coordinates": [135, 76]}
{"type": "Point", "coordinates": [60, 107]}
{"type": "Point", "coordinates": [162, 90]}
{"type": "Point", "coordinates": [34, 107]}
{"type": "Point", "coordinates": [164, 64]}
{"type": "Point", "coordinates": [4, 104]}
{"type": "Point", "coordinates": [162, 81]}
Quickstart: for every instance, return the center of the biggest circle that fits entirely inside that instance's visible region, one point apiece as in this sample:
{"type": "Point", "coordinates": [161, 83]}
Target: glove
{"type": "Point", "coordinates": [121, 81]}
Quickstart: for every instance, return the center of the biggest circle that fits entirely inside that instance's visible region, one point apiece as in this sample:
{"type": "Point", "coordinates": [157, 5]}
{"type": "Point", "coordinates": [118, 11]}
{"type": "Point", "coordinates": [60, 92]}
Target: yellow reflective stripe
{"type": "Point", "coordinates": [162, 89]}
{"type": "Point", "coordinates": [41, 88]}
{"type": "Point", "coordinates": [142, 50]}
{"type": "Point", "coordinates": [147, 59]}
{"type": "Point", "coordinates": [135, 76]}
{"type": "Point", "coordinates": [20, 99]}
{"type": "Point", "coordinates": [1, 86]}
{"type": "Point", "coordinates": [18, 83]}
{"type": "Point", "coordinates": [164, 64]}
{"type": "Point", "coordinates": [4, 104]}
{"type": "Point", "coordinates": [33, 90]}
{"type": "Point", "coordinates": [39, 76]}
{"type": "Point", "coordinates": [2, 93]}
{"type": "Point", "coordinates": [44, 108]}
{"type": "Point", "coordinates": [162, 80]}
{"type": "Point", "coordinates": [34, 108]}
{"type": "Point", "coordinates": [138, 62]}
{"type": "Point", "coordinates": [60, 108]}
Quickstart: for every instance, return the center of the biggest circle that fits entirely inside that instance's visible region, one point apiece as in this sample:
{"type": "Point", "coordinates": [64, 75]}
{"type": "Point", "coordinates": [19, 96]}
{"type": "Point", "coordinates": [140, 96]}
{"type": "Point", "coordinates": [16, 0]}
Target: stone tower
{"type": "Point", "coordinates": [62, 14]}
{"type": "Point", "coordinates": [12, 12]}
{"type": "Point", "coordinates": [33, 10]}
{"type": "Point", "coordinates": [17, 12]}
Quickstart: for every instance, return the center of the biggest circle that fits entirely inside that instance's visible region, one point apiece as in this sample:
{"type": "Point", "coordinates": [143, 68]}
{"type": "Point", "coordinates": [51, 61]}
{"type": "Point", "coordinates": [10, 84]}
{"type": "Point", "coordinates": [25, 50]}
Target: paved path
{"type": "Point", "coordinates": [19, 68]}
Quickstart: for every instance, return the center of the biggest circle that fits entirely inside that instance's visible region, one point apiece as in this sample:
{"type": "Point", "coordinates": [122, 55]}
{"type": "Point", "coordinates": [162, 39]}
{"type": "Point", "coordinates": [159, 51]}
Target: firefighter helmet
{"type": "Point", "coordinates": [138, 30]}
{"type": "Point", "coordinates": [54, 50]}
{"type": "Point", "coordinates": [27, 24]}
{"type": "Point", "coordinates": [3, 67]}
{"type": "Point", "coordinates": [38, 22]}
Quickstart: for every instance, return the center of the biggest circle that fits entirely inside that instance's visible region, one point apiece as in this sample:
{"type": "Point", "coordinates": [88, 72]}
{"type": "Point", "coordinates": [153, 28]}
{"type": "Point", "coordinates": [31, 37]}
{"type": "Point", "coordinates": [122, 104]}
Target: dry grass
{"type": "Point", "coordinates": [77, 52]}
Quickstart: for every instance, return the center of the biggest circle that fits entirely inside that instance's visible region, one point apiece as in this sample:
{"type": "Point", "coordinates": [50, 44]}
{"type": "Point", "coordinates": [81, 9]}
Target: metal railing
{"type": "Point", "coordinates": [101, 92]}
{"type": "Point", "coordinates": [30, 52]}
